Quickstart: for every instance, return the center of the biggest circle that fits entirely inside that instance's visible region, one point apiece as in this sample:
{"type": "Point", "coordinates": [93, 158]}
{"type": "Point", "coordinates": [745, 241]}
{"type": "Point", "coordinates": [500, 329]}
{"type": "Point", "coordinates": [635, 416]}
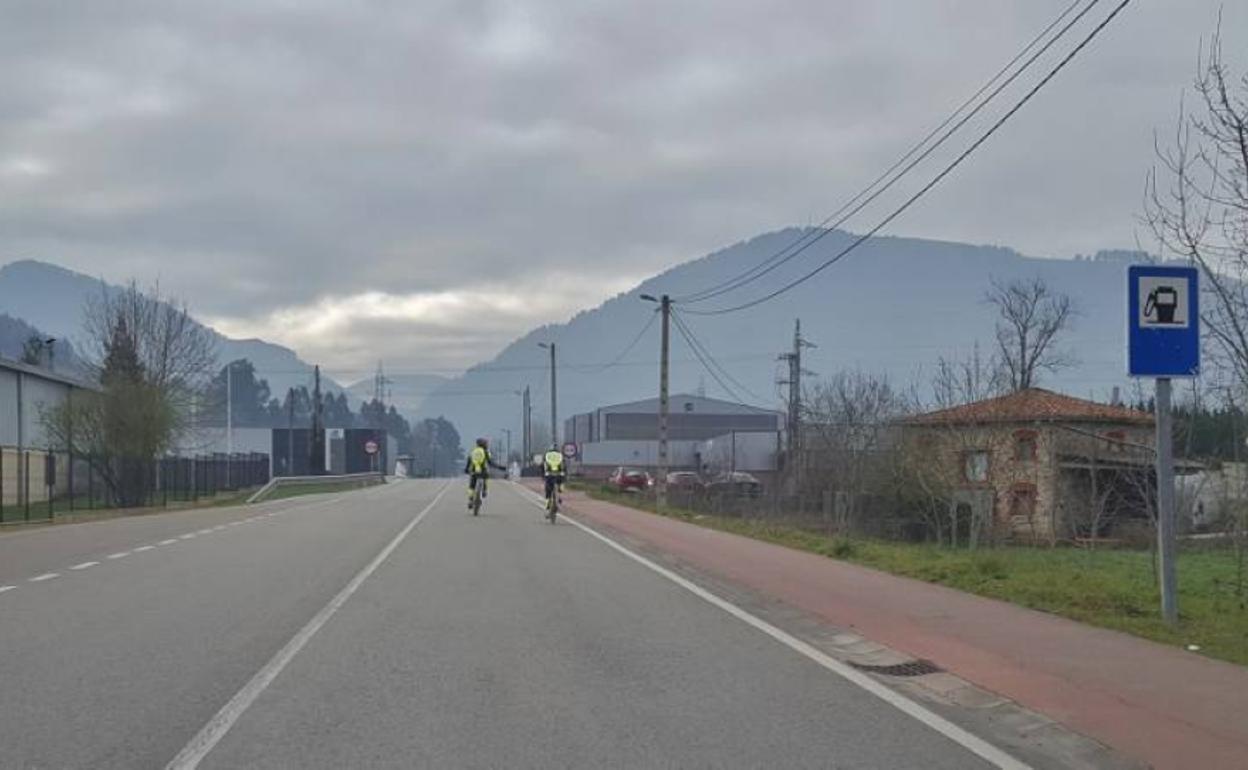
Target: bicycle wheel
{"type": "Point", "coordinates": [476, 499]}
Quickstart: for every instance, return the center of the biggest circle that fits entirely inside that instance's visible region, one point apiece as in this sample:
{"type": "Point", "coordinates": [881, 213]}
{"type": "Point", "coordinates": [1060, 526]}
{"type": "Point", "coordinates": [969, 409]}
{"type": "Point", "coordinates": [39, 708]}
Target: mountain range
{"type": "Point", "coordinates": [892, 307]}
{"type": "Point", "coordinates": [53, 299]}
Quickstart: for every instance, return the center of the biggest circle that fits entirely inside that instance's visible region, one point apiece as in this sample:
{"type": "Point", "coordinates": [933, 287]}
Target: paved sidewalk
{"type": "Point", "coordinates": [1158, 704]}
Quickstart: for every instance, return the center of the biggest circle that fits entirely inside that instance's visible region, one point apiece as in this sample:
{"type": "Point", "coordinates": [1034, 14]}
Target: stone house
{"type": "Point", "coordinates": [1036, 465]}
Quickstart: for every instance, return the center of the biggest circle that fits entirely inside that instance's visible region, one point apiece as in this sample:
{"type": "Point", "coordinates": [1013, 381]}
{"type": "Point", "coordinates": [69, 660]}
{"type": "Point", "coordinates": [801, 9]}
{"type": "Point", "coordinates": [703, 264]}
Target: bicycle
{"type": "Point", "coordinates": [552, 500]}
{"type": "Point", "coordinates": [474, 500]}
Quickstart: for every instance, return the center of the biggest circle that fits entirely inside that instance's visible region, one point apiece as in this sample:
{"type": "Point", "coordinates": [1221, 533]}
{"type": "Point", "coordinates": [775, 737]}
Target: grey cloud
{"type": "Point", "coordinates": [261, 156]}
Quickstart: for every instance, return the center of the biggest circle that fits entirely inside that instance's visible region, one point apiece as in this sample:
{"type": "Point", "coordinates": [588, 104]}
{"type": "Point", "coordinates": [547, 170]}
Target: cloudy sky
{"type": "Point", "coordinates": [426, 181]}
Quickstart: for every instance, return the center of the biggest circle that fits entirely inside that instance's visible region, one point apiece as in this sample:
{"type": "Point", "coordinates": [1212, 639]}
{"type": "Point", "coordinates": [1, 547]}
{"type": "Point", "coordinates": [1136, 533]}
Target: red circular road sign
{"type": "Point", "coordinates": [569, 450]}
{"type": "Point", "coordinates": [371, 447]}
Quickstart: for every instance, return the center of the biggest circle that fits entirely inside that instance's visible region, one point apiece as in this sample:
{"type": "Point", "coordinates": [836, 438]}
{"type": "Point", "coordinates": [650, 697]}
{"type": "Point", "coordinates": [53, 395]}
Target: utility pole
{"type": "Point", "coordinates": [290, 432]}
{"type": "Point", "coordinates": [525, 450]}
{"type": "Point", "coordinates": [508, 432]}
{"type": "Point", "coordinates": [665, 307]}
{"type": "Point", "coordinates": [528, 424]}
{"type": "Point", "coordinates": [554, 417]}
{"type": "Point", "coordinates": [229, 420]}
{"type": "Point", "coordinates": [316, 442]}
{"type": "Point", "coordinates": [793, 446]}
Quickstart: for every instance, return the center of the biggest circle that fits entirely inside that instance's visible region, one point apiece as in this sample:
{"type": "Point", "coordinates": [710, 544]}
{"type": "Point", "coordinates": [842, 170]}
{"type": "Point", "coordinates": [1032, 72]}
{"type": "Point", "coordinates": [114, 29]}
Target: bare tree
{"type": "Point", "coordinates": [1197, 202]}
{"type": "Point", "coordinates": [963, 380]}
{"type": "Point", "coordinates": [1031, 316]}
{"type": "Point", "coordinates": [149, 358]}
{"type": "Point", "coordinates": [852, 417]}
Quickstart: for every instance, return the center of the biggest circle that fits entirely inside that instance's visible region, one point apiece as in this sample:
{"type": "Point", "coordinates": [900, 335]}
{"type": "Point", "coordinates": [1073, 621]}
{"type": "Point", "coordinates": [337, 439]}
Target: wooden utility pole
{"type": "Point", "coordinates": [665, 305]}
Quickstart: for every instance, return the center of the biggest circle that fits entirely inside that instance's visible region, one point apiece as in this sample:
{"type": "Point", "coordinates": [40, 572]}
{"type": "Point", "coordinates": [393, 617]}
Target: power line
{"type": "Point", "coordinates": [935, 180]}
{"type": "Point", "coordinates": [628, 348]}
{"type": "Point", "coordinates": [710, 364]}
{"type": "Point", "coordinates": [709, 369]}
{"type": "Point", "coordinates": [813, 235]}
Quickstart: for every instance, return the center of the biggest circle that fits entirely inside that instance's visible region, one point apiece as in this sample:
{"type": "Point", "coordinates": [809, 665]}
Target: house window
{"type": "Point", "coordinates": [975, 466]}
{"type": "Point", "coordinates": [1023, 501]}
{"type": "Point", "coordinates": [1025, 446]}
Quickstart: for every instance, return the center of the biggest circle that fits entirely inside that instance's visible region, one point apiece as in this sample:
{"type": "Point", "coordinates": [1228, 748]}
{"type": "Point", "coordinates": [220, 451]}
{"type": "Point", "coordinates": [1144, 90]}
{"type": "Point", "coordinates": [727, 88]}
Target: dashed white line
{"type": "Point", "coordinates": [143, 548]}
{"type": "Point", "coordinates": [6, 588]}
{"type": "Point", "coordinates": [84, 565]}
{"type": "Point", "coordinates": [220, 724]}
{"type": "Point", "coordinates": [187, 536]}
{"type": "Point", "coordinates": [121, 555]}
{"type": "Point", "coordinates": [44, 576]}
{"type": "Point", "coordinates": [204, 532]}
{"type": "Point", "coordinates": [170, 541]}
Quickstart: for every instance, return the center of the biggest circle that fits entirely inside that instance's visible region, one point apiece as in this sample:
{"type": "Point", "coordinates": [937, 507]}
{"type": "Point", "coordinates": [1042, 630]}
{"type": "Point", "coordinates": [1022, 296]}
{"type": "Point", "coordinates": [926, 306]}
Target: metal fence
{"type": "Point", "coordinates": [38, 485]}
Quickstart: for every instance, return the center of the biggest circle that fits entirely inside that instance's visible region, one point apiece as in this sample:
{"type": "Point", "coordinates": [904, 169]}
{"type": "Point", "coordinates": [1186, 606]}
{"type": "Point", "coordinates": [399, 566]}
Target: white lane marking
{"type": "Point", "coordinates": [204, 532]}
{"type": "Point", "coordinates": [170, 541]}
{"type": "Point", "coordinates": [204, 741]}
{"type": "Point", "coordinates": [84, 565]}
{"type": "Point", "coordinates": [187, 536]}
{"type": "Point", "coordinates": [121, 555]}
{"type": "Point", "coordinates": [143, 548]}
{"type": "Point", "coordinates": [45, 576]}
{"type": "Point", "coordinates": [966, 740]}
{"type": "Point", "coordinates": [6, 588]}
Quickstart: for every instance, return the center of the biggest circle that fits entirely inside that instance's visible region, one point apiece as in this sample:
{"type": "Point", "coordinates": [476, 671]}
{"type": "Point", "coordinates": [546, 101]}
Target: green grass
{"type": "Point", "coordinates": [1109, 588]}
{"type": "Point", "coordinates": [84, 509]}
{"type": "Point", "coordinates": [317, 488]}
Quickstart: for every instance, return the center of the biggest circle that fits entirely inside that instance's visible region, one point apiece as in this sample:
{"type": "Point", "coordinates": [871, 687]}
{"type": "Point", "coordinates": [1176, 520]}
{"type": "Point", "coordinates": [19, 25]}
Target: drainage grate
{"type": "Point", "coordinates": [913, 668]}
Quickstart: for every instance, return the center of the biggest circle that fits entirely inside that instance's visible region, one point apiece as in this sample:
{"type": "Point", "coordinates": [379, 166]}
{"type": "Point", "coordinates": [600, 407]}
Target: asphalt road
{"type": "Point", "coordinates": [375, 629]}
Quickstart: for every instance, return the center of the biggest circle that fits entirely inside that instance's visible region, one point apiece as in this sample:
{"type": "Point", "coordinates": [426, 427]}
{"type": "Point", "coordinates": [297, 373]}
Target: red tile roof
{"type": "Point", "coordinates": [1033, 405]}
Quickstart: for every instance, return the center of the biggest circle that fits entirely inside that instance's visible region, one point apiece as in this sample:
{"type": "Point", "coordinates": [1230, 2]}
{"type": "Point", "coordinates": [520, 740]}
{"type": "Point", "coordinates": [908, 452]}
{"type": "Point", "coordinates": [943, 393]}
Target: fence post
{"type": "Point", "coordinates": [26, 483]}
{"type": "Point", "coordinates": [1, 484]}
{"type": "Point", "coordinates": [90, 483]}
{"type": "Point", "coordinates": [49, 463]}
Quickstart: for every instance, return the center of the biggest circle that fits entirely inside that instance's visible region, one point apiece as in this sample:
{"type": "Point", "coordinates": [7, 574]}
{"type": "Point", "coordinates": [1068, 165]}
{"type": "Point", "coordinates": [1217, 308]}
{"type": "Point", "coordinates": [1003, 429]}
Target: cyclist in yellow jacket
{"type": "Point", "coordinates": [553, 470]}
{"type": "Point", "coordinates": [478, 466]}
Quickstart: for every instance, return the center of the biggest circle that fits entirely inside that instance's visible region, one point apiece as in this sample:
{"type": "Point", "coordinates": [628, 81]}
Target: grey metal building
{"type": "Point", "coordinates": [628, 434]}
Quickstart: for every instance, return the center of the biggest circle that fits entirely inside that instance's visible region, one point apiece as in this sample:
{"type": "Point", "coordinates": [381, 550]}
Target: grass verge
{"type": "Point", "coordinates": [317, 488]}
{"type": "Point", "coordinates": [1109, 588]}
{"type": "Point", "coordinates": [82, 509]}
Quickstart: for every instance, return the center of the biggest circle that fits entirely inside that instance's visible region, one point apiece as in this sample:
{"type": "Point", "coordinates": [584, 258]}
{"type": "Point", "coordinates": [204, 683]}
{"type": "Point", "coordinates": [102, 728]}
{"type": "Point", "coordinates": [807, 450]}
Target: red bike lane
{"type": "Point", "coordinates": [1158, 704]}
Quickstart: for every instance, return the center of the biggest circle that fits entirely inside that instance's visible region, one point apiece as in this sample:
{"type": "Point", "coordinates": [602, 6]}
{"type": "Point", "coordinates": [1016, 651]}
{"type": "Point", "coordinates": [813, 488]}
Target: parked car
{"type": "Point", "coordinates": [629, 480]}
{"type": "Point", "coordinates": [737, 484]}
{"type": "Point", "coordinates": [686, 481]}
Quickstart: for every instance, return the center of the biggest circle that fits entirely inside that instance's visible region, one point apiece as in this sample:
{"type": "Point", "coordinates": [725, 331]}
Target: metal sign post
{"type": "Point", "coordinates": [1163, 341]}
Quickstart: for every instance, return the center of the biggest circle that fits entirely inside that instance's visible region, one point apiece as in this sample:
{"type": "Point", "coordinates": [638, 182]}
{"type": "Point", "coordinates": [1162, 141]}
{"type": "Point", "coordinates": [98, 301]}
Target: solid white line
{"type": "Point", "coordinates": [121, 555]}
{"type": "Point", "coordinates": [968, 741]}
{"type": "Point", "coordinates": [6, 588]}
{"type": "Point", "coordinates": [44, 576]}
{"type": "Point", "coordinates": [84, 565]}
{"type": "Point", "coordinates": [143, 548]}
{"type": "Point", "coordinates": [170, 541]}
{"type": "Point", "coordinates": [220, 724]}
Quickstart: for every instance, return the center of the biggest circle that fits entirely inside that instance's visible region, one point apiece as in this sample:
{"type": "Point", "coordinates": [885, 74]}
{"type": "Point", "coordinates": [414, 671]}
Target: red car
{"type": "Point", "coordinates": [629, 480]}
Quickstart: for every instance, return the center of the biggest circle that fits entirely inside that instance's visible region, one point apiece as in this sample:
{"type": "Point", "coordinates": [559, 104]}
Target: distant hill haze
{"type": "Point", "coordinates": [893, 307]}
{"type": "Point", "coordinates": [407, 392]}
{"type": "Point", "coordinates": [53, 298]}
